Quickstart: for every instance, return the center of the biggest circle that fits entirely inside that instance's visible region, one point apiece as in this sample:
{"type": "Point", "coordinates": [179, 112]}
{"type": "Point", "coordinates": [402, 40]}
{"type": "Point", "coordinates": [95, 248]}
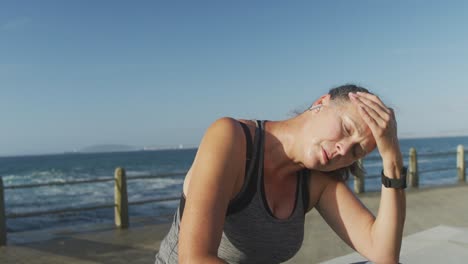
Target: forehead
{"type": "Point", "coordinates": [349, 113]}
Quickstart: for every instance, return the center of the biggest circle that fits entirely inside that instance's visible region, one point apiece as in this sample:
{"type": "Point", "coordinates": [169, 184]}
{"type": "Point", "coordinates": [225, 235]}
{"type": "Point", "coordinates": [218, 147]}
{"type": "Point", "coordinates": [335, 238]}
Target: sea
{"type": "Point", "coordinates": [436, 163]}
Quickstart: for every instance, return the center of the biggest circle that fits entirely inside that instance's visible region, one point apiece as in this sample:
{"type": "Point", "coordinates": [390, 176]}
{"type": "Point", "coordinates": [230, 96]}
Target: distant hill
{"type": "Point", "coordinates": [108, 148]}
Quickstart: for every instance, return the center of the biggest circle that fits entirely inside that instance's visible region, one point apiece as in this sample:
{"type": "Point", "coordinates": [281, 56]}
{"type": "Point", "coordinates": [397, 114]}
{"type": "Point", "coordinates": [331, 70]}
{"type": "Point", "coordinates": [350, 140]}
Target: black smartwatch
{"type": "Point", "coordinates": [395, 183]}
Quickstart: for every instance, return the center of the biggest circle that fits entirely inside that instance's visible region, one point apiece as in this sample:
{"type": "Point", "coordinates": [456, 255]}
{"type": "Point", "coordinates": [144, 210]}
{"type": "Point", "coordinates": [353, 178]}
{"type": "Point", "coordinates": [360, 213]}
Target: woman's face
{"type": "Point", "coordinates": [336, 136]}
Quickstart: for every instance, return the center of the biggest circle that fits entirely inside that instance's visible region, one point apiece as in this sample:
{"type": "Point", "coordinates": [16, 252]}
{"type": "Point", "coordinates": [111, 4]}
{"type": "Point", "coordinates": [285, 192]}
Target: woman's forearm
{"type": "Point", "coordinates": [387, 230]}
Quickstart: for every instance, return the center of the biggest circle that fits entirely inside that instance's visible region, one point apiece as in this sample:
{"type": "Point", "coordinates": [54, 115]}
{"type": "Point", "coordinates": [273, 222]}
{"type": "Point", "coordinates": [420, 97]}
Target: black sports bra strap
{"type": "Point", "coordinates": [247, 191]}
{"type": "Point", "coordinates": [248, 138]}
{"type": "Point", "coordinates": [249, 153]}
{"type": "Point", "coordinates": [305, 189]}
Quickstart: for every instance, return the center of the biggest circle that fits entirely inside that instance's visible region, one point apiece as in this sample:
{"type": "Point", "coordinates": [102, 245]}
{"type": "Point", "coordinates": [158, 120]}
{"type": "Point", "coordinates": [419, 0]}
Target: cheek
{"type": "Point", "coordinates": [332, 131]}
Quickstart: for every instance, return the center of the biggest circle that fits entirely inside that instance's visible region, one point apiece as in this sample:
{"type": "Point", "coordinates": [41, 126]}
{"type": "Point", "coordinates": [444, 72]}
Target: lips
{"type": "Point", "coordinates": [325, 156]}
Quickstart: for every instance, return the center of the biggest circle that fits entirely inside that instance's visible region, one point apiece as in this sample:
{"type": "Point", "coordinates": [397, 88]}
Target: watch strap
{"type": "Point", "coordinates": [395, 183]}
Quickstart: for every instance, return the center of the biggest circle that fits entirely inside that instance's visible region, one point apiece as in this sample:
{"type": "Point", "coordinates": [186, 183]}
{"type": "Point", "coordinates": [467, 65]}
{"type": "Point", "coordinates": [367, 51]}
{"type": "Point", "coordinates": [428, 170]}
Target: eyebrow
{"type": "Point", "coordinates": [353, 123]}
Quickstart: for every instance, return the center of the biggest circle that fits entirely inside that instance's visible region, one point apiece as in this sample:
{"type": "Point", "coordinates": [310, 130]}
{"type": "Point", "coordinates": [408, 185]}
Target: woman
{"type": "Point", "coordinates": [251, 183]}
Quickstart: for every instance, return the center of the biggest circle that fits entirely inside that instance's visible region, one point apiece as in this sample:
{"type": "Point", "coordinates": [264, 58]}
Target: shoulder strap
{"type": "Point", "coordinates": [248, 138]}
{"type": "Point", "coordinates": [248, 190]}
{"type": "Point", "coordinates": [234, 207]}
{"type": "Point", "coordinates": [305, 189]}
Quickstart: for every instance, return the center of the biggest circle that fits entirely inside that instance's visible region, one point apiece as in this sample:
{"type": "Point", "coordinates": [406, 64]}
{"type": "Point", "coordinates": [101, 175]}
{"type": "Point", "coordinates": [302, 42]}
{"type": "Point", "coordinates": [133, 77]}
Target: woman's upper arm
{"type": "Point", "coordinates": [346, 215]}
{"type": "Point", "coordinates": [214, 172]}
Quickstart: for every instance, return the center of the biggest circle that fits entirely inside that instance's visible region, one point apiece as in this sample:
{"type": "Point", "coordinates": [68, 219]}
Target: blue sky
{"type": "Point", "coordinates": [157, 73]}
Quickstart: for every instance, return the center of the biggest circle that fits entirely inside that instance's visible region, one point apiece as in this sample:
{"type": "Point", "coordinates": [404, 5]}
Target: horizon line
{"type": "Point", "coordinates": [171, 147]}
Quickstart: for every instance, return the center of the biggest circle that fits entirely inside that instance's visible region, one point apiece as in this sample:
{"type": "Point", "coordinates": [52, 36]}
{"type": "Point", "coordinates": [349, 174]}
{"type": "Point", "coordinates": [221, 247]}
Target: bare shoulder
{"type": "Point", "coordinates": [226, 126]}
{"type": "Point", "coordinates": [222, 147]}
{"type": "Point", "coordinates": [222, 134]}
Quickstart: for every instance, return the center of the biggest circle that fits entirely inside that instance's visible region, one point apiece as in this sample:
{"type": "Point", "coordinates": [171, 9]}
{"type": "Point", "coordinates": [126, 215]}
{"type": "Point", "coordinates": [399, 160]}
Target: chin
{"type": "Point", "coordinates": [312, 165]}
{"type": "Point", "coordinates": [318, 166]}
{"type": "Point", "coordinates": [312, 161]}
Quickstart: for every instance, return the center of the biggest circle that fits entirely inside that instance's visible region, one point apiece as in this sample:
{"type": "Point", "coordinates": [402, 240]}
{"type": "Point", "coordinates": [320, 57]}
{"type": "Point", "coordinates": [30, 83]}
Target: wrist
{"type": "Point", "coordinates": [393, 171]}
{"type": "Point", "coordinates": [392, 167]}
{"type": "Point", "coordinates": [393, 155]}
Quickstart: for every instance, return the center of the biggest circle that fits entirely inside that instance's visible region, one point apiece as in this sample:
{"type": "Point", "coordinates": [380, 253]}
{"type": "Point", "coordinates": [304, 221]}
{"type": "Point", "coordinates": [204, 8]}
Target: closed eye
{"type": "Point", "coordinates": [346, 130]}
{"type": "Point", "coordinates": [357, 150]}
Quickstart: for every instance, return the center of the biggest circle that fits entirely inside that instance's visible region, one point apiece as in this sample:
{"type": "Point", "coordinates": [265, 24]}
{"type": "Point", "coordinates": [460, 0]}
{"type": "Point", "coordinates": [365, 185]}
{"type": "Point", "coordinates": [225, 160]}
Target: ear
{"type": "Point", "coordinates": [323, 100]}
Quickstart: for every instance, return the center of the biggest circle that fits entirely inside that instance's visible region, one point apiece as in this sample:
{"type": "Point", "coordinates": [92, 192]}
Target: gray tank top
{"type": "Point", "coordinates": [252, 234]}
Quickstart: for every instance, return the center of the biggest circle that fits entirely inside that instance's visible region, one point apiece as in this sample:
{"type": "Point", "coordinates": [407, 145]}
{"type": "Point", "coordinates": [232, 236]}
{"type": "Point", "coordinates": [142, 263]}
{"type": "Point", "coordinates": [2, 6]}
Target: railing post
{"type": "Point", "coordinates": [359, 179]}
{"type": "Point", "coordinates": [120, 197]}
{"type": "Point", "coordinates": [3, 233]}
{"type": "Point", "coordinates": [413, 168]}
{"type": "Point", "coordinates": [461, 163]}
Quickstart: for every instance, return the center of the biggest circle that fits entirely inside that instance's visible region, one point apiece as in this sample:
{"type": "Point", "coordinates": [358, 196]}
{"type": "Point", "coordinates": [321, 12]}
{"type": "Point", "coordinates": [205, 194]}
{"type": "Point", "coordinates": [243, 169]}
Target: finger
{"type": "Point", "coordinates": [383, 113]}
{"type": "Point", "coordinates": [376, 103]}
{"type": "Point", "coordinates": [368, 119]}
{"type": "Point", "coordinates": [373, 98]}
{"type": "Point", "coordinates": [392, 114]}
{"type": "Point", "coordinates": [371, 112]}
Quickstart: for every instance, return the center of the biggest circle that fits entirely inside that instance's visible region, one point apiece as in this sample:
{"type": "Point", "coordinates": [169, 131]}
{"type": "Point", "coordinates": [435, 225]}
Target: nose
{"type": "Point", "coordinates": [343, 147]}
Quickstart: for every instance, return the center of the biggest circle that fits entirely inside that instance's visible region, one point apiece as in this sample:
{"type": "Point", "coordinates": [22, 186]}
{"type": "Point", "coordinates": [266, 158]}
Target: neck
{"type": "Point", "coordinates": [279, 154]}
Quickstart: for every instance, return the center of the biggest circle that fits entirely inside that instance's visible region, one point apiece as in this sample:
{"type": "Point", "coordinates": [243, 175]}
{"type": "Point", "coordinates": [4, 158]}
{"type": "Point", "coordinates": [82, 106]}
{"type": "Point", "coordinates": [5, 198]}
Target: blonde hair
{"type": "Point", "coordinates": [355, 169]}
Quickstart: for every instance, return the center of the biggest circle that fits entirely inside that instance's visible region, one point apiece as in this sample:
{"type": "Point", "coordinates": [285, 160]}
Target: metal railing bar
{"type": "Point", "coordinates": [372, 176]}
{"type": "Point", "coordinates": [439, 169]}
{"type": "Point", "coordinates": [431, 154]}
{"type": "Point", "coordinates": [442, 154]}
{"type": "Point", "coordinates": [59, 211]}
{"type": "Point", "coordinates": [156, 200]}
{"type": "Point", "coordinates": [155, 176]}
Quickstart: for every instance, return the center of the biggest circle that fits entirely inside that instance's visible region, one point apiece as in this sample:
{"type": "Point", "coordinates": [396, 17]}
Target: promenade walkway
{"type": "Point", "coordinates": [426, 208]}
